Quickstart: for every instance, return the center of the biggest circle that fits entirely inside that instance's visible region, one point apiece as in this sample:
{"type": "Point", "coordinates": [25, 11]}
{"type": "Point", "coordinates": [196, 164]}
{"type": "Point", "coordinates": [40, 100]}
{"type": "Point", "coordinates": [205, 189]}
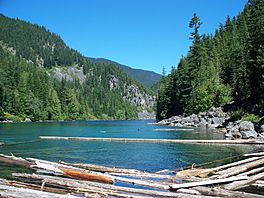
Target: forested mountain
{"type": "Point", "coordinates": [42, 78]}
{"type": "Point", "coordinates": [219, 69]}
{"type": "Point", "coordinates": [147, 78]}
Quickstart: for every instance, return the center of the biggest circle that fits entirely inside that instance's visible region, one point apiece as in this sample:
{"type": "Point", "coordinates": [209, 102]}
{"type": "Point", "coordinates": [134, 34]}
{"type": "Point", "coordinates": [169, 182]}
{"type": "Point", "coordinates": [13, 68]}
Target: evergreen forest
{"type": "Point", "coordinates": [224, 69]}
{"type": "Point", "coordinates": [29, 55]}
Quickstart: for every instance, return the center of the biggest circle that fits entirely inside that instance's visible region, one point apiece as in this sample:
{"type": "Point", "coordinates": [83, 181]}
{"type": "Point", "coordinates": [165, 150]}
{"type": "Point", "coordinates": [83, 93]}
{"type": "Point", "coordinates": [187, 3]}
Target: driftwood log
{"type": "Point", "coordinates": [239, 169]}
{"type": "Point", "coordinates": [120, 171]}
{"type": "Point", "coordinates": [97, 181]}
{"type": "Point", "coordinates": [177, 141]}
{"type": "Point", "coordinates": [98, 187]}
{"type": "Point", "coordinates": [15, 160]}
{"type": "Point", "coordinates": [15, 192]}
{"type": "Point", "coordinates": [206, 183]}
{"type": "Point", "coordinates": [242, 184]}
{"type": "Point", "coordinates": [198, 172]}
{"type": "Point", "coordinates": [224, 193]}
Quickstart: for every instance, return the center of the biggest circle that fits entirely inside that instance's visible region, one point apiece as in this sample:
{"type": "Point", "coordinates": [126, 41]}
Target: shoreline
{"type": "Point", "coordinates": [217, 119]}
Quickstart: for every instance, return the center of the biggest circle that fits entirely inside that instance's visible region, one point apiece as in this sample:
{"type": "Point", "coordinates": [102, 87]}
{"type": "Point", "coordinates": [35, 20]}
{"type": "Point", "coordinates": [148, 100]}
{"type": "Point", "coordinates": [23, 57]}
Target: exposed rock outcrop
{"type": "Point", "coordinates": [8, 48]}
{"type": "Point", "coordinates": [69, 74]}
{"type": "Point", "coordinates": [241, 129]}
{"type": "Point", "coordinates": [216, 118]}
{"type": "Point", "coordinates": [144, 115]}
{"type": "Point", "coordinates": [213, 118]}
{"type": "Point", "coordinates": [113, 83]}
{"type": "Point", "coordinates": [138, 98]}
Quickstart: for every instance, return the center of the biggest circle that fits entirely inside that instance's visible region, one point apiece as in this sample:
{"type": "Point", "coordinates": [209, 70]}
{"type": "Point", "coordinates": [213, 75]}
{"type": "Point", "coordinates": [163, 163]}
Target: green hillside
{"type": "Point", "coordinates": [42, 78]}
{"type": "Point", "coordinates": [220, 69]}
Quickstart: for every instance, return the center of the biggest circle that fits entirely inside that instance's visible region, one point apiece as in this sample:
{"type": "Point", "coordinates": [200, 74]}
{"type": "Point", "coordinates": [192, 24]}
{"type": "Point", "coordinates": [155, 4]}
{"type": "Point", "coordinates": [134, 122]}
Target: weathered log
{"type": "Point", "coordinates": [195, 172]}
{"type": "Point", "coordinates": [188, 191]}
{"type": "Point", "coordinates": [103, 169]}
{"type": "Point", "coordinates": [119, 171]}
{"type": "Point", "coordinates": [177, 141]}
{"type": "Point", "coordinates": [33, 186]}
{"type": "Point", "coordinates": [15, 192]}
{"type": "Point", "coordinates": [259, 184]}
{"type": "Point", "coordinates": [254, 154]}
{"type": "Point", "coordinates": [205, 164]}
{"type": "Point", "coordinates": [98, 187]}
{"type": "Point", "coordinates": [198, 172]}
{"type": "Point", "coordinates": [142, 183]}
{"type": "Point", "coordinates": [145, 175]}
{"type": "Point", "coordinates": [115, 178]}
{"type": "Point", "coordinates": [71, 171]}
{"type": "Point", "coordinates": [224, 193]}
{"type": "Point", "coordinates": [237, 163]}
{"type": "Point", "coordinates": [205, 183]}
{"type": "Point", "coordinates": [242, 184]}
{"type": "Point", "coordinates": [239, 169]}
{"type": "Point", "coordinates": [252, 172]}
{"type": "Point", "coordinates": [87, 176]}
{"type": "Point", "coordinates": [15, 161]}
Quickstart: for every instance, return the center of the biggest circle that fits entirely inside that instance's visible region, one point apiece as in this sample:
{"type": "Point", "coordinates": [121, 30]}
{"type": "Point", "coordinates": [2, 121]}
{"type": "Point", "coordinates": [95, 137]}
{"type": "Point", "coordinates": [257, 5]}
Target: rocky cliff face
{"type": "Point", "coordinates": [133, 94]}
{"type": "Point", "coordinates": [113, 83]}
{"type": "Point", "coordinates": [138, 98]}
{"type": "Point", "coordinates": [69, 74]}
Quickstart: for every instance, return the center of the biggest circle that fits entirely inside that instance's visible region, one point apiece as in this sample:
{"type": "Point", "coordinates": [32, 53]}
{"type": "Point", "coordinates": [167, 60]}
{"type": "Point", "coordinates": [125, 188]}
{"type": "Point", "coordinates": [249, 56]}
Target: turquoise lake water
{"type": "Point", "coordinates": [22, 139]}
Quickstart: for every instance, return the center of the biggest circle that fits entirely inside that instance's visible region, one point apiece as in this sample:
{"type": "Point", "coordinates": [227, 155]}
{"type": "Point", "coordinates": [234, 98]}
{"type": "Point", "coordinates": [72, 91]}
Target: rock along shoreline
{"type": "Point", "coordinates": [216, 118]}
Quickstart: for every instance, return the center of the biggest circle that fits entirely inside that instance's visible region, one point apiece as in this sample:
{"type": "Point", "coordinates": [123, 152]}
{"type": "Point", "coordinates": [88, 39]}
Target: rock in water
{"type": "Point", "coordinates": [27, 120]}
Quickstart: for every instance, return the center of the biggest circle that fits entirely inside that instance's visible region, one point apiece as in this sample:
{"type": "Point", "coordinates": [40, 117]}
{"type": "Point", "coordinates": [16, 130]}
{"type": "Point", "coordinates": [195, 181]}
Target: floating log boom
{"type": "Point", "coordinates": [177, 141]}
{"type": "Point", "coordinates": [15, 160]}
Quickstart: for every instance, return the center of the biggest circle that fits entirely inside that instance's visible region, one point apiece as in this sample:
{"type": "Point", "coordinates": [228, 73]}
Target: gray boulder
{"type": "Point", "coordinates": [249, 134]}
{"type": "Point", "coordinates": [202, 123]}
{"type": "Point", "coordinates": [194, 119]}
{"type": "Point", "coordinates": [237, 135]}
{"type": "Point", "coordinates": [27, 120]}
{"type": "Point", "coordinates": [246, 126]}
{"type": "Point", "coordinates": [218, 121]}
{"type": "Point", "coordinates": [178, 125]}
{"type": "Point", "coordinates": [232, 127]}
{"type": "Point", "coordinates": [233, 135]}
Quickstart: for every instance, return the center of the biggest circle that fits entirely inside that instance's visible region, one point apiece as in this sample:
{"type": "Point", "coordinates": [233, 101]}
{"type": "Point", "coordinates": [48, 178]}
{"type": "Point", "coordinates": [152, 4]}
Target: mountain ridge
{"type": "Point", "coordinates": [76, 88]}
{"type": "Point", "coordinates": [146, 77]}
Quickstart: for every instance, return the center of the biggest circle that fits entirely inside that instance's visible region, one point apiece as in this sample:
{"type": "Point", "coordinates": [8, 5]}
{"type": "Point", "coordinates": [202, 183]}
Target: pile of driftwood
{"type": "Point", "coordinates": [86, 180]}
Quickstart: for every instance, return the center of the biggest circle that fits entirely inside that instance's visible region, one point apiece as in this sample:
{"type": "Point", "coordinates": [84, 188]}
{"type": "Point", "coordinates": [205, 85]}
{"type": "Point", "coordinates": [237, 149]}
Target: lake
{"type": "Point", "coordinates": [22, 139]}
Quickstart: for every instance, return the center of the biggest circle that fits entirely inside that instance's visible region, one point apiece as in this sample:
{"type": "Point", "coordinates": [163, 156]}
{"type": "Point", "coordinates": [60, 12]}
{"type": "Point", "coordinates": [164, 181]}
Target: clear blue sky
{"type": "Point", "coordinates": [145, 34]}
